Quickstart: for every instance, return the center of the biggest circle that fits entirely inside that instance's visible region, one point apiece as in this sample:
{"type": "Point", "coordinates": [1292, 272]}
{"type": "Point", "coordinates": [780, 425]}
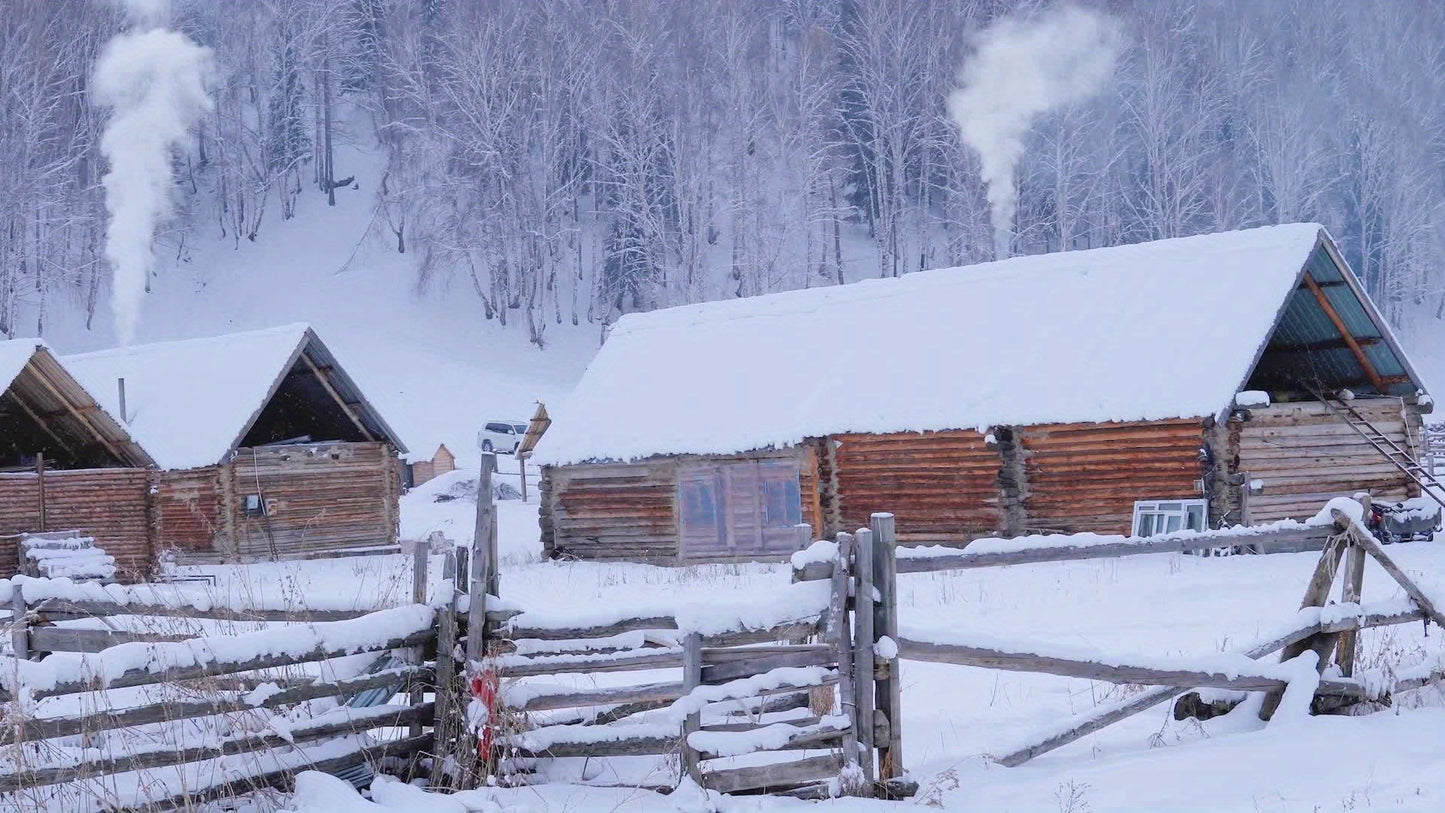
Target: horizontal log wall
{"type": "Point", "coordinates": [616, 511]}
{"type": "Point", "coordinates": [629, 511]}
{"type": "Point", "coordinates": [1304, 454]}
{"type": "Point", "coordinates": [1086, 477]}
{"type": "Point", "coordinates": [318, 496]}
{"type": "Point", "coordinates": [937, 484]}
{"type": "Point", "coordinates": [111, 505]}
{"type": "Point", "coordinates": [189, 506]}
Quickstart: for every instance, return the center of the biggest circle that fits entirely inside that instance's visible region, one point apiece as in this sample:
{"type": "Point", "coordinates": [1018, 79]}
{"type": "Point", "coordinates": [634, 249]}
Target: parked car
{"type": "Point", "coordinates": [501, 436]}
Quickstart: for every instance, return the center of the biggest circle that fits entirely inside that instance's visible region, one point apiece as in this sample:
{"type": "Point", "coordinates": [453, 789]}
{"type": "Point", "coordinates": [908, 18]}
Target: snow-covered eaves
{"type": "Point", "coordinates": [32, 375]}
{"type": "Point", "coordinates": [191, 402]}
{"type": "Point", "coordinates": [1168, 329]}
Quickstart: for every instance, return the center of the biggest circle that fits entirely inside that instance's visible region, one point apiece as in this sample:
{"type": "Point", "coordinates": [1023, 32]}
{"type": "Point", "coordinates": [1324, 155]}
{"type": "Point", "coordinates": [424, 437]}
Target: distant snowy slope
{"type": "Point", "coordinates": [430, 362]}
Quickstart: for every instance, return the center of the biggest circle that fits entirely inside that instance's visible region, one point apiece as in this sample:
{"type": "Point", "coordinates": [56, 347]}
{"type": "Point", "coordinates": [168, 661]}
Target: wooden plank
{"type": "Point", "coordinates": [419, 560]}
{"type": "Point", "coordinates": [863, 649]}
{"type": "Point", "coordinates": [625, 746]}
{"type": "Point", "coordinates": [803, 738]}
{"type": "Point", "coordinates": [777, 776]}
{"type": "Point", "coordinates": [887, 686]}
{"type": "Point", "coordinates": [641, 693]}
{"type": "Point", "coordinates": [41, 728]}
{"type": "Point", "coordinates": [1372, 546]}
{"type": "Point", "coordinates": [514, 667]}
{"type": "Point", "coordinates": [61, 609]}
{"type": "Point", "coordinates": [141, 676]}
{"type": "Point", "coordinates": [67, 639]}
{"type": "Point", "coordinates": [33, 777]}
{"type": "Point", "coordinates": [1105, 716]}
{"type": "Point", "coordinates": [518, 629]}
{"type": "Point", "coordinates": [764, 661]}
{"type": "Point", "coordinates": [1180, 677]}
{"type": "Point", "coordinates": [1132, 547]}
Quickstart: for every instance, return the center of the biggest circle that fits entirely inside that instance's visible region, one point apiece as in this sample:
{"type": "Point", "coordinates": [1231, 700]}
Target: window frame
{"type": "Point", "coordinates": [1155, 510]}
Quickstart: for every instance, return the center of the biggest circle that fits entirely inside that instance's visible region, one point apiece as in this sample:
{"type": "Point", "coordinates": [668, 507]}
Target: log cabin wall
{"type": "Point", "coordinates": [316, 496]}
{"type": "Point", "coordinates": [1086, 477]}
{"type": "Point", "coordinates": [938, 485]}
{"type": "Point", "coordinates": [611, 511]}
{"type": "Point", "coordinates": [189, 506]}
{"type": "Point", "coordinates": [1304, 455]}
{"type": "Point", "coordinates": [112, 505]}
{"type": "Point", "coordinates": [635, 511]}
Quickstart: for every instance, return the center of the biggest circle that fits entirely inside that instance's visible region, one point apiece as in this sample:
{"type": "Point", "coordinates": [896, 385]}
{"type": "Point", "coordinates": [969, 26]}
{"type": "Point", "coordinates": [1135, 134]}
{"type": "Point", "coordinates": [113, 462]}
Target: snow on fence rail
{"type": "Point", "coordinates": [1285, 536]}
{"type": "Point", "coordinates": [709, 683]}
{"type": "Point", "coordinates": [1307, 645]}
{"type": "Point", "coordinates": [302, 695]}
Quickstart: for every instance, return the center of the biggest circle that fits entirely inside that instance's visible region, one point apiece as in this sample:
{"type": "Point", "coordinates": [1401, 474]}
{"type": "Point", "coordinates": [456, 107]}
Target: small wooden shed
{"type": "Point", "coordinates": [66, 463]}
{"type": "Point", "coordinates": [266, 445]}
{"type": "Point", "coordinates": [1145, 388]}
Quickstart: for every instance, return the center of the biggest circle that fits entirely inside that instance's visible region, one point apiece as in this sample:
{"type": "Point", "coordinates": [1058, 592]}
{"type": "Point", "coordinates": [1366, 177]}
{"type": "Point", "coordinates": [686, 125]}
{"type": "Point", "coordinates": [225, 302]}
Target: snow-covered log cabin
{"type": "Point", "coordinates": [266, 446]}
{"type": "Point", "coordinates": [1139, 388]}
{"type": "Point", "coordinates": [66, 463]}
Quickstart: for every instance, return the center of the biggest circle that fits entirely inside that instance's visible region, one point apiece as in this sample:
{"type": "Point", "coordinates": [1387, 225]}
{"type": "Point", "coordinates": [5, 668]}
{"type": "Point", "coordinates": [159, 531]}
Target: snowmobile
{"type": "Point", "coordinates": [1415, 519]}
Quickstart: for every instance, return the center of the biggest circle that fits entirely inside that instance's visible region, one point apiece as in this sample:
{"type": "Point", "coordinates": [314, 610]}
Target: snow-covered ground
{"type": "Point", "coordinates": [1166, 604]}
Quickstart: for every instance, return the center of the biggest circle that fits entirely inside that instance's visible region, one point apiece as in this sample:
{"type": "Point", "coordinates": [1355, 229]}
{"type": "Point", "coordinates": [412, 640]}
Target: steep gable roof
{"type": "Point", "coordinates": [45, 392]}
{"type": "Point", "coordinates": [192, 402]}
{"type": "Point", "coordinates": [1158, 330]}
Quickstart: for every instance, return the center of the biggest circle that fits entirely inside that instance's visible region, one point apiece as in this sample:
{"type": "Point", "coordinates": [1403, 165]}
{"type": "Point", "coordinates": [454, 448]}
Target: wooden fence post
{"type": "Point", "coordinates": [446, 726]}
{"type": "Point", "coordinates": [840, 635]}
{"type": "Point", "coordinates": [1316, 595]}
{"type": "Point", "coordinates": [40, 485]}
{"type": "Point", "coordinates": [691, 679]}
{"type": "Point", "coordinates": [863, 649]}
{"type": "Point", "coordinates": [1354, 585]}
{"type": "Point", "coordinates": [483, 564]}
{"type": "Point", "coordinates": [19, 624]}
{"type": "Point", "coordinates": [419, 560]}
{"type": "Point", "coordinates": [888, 692]}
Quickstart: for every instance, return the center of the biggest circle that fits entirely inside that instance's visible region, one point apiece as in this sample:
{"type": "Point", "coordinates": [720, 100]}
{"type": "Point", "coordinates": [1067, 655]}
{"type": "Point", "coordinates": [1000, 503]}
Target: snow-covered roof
{"type": "Point", "coordinates": [53, 392]}
{"type": "Point", "coordinates": [1151, 331]}
{"type": "Point", "coordinates": [14, 355]}
{"type": "Point", "coordinates": [191, 402]}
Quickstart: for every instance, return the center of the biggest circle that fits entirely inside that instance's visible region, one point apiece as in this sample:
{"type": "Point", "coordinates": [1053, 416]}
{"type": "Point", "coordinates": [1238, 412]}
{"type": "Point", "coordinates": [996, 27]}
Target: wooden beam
{"type": "Point", "coordinates": [1350, 341]}
{"type": "Point", "coordinates": [341, 402]}
{"type": "Point", "coordinates": [84, 421]}
{"type": "Point", "coordinates": [34, 416]}
{"type": "Point", "coordinates": [1183, 676]}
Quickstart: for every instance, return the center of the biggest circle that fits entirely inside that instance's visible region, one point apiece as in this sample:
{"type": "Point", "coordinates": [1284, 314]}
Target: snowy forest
{"type": "Point", "coordinates": [567, 161]}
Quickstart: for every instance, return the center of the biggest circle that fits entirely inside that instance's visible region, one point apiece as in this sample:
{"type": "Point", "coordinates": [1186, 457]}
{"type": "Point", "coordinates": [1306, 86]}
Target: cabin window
{"type": "Point", "coordinates": [699, 504]}
{"type": "Point", "coordinates": [1154, 517]}
{"type": "Point", "coordinates": [782, 507]}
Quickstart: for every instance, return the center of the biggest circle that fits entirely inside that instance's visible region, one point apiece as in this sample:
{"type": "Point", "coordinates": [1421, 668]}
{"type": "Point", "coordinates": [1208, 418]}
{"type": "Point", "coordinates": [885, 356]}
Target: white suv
{"type": "Point", "coordinates": [501, 436]}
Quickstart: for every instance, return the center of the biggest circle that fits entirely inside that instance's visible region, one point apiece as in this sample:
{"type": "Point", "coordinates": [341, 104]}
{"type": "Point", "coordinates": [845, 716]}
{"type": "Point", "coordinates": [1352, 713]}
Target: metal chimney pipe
{"type": "Point", "coordinates": [120, 387]}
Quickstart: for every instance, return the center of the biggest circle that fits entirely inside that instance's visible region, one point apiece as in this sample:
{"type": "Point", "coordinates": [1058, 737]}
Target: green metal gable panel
{"type": "Point", "coordinates": [1307, 350]}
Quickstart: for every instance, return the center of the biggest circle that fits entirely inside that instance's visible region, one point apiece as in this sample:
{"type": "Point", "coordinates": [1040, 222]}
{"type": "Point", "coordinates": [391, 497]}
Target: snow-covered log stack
{"type": "Point", "coordinates": [65, 554]}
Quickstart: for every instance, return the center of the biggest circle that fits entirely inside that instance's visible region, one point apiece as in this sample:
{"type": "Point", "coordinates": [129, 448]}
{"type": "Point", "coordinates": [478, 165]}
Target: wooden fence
{"type": "Point", "coordinates": [182, 714]}
{"type": "Point", "coordinates": [1315, 635]}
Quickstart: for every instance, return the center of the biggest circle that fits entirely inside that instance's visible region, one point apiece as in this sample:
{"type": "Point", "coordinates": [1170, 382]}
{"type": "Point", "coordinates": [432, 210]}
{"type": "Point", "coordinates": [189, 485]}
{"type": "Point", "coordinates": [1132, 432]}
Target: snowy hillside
{"type": "Point", "coordinates": [430, 362]}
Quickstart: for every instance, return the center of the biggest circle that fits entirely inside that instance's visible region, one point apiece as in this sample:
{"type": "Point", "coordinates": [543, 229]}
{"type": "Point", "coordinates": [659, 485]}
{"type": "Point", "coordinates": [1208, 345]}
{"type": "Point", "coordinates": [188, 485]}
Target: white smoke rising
{"type": "Point", "coordinates": [153, 82]}
{"type": "Point", "coordinates": [1022, 68]}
